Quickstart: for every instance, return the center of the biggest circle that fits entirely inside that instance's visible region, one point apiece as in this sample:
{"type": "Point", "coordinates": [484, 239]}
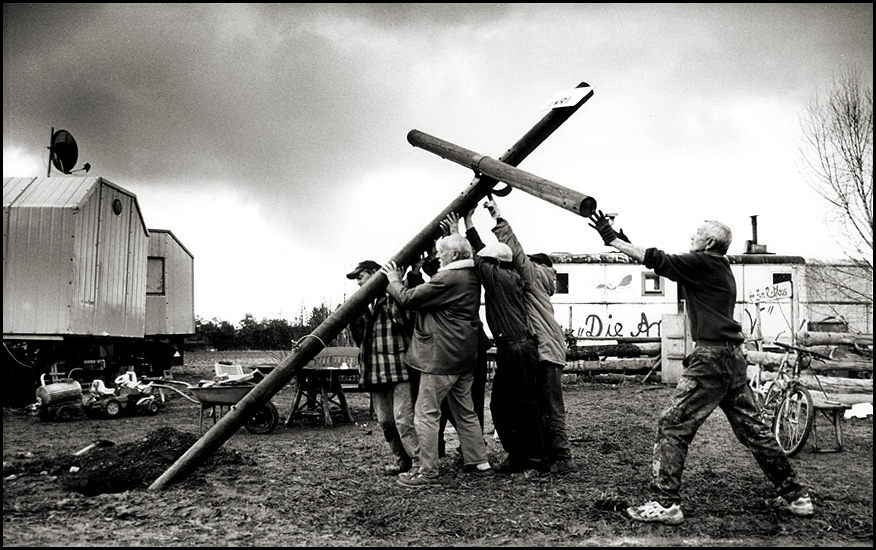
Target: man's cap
{"type": "Point", "coordinates": [542, 259]}
{"type": "Point", "coordinates": [367, 264]}
{"type": "Point", "coordinates": [499, 251]}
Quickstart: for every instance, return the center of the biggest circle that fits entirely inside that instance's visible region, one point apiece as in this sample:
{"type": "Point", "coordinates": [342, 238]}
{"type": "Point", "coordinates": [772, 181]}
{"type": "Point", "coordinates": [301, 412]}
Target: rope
{"type": "Point", "coordinates": [297, 344]}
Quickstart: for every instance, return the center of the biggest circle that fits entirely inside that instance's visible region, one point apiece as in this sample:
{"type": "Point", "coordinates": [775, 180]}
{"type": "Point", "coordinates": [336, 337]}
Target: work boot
{"type": "Point", "coordinates": [562, 466]}
{"type": "Point", "coordinates": [403, 465]}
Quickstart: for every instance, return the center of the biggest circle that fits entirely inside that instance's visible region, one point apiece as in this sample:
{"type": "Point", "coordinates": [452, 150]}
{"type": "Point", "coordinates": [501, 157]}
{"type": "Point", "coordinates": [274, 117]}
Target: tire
{"type": "Point", "coordinates": [65, 414]}
{"type": "Point", "coordinates": [151, 408]}
{"type": "Point", "coordinates": [793, 421]}
{"type": "Point", "coordinates": [112, 408]}
{"type": "Point", "coordinates": [264, 420]}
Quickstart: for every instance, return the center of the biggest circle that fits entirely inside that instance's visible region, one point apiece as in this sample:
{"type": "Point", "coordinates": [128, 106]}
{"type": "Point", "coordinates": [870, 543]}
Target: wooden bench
{"type": "Point", "coordinates": [833, 411]}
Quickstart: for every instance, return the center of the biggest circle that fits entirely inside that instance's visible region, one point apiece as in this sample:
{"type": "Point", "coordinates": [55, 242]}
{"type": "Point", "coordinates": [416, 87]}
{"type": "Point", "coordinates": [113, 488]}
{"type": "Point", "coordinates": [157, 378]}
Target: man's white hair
{"type": "Point", "coordinates": [456, 243]}
{"type": "Point", "coordinates": [722, 235]}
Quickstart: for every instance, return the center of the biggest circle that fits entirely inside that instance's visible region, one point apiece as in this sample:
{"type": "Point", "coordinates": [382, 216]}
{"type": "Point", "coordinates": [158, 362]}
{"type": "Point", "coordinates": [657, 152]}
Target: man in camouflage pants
{"type": "Point", "coordinates": [714, 374]}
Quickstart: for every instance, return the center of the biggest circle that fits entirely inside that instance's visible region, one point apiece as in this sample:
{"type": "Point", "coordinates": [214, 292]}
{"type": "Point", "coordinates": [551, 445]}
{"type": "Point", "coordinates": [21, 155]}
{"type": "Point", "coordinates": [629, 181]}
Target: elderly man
{"type": "Point", "coordinates": [383, 334]}
{"type": "Point", "coordinates": [714, 373]}
{"type": "Point", "coordinates": [444, 350]}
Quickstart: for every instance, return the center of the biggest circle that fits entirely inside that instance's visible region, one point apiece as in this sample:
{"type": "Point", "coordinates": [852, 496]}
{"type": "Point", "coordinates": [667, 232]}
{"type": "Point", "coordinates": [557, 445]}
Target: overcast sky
{"type": "Point", "coordinates": [272, 139]}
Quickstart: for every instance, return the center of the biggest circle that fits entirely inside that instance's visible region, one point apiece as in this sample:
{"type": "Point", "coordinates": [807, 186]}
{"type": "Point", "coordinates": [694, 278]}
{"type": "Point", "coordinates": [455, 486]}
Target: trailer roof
{"type": "Point", "coordinates": [57, 192]}
{"type": "Point", "coordinates": [621, 258]}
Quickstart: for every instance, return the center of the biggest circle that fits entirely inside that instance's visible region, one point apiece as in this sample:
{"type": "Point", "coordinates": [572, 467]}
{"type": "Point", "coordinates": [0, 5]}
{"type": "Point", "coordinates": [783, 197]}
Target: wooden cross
{"type": "Point", "coordinates": [309, 346]}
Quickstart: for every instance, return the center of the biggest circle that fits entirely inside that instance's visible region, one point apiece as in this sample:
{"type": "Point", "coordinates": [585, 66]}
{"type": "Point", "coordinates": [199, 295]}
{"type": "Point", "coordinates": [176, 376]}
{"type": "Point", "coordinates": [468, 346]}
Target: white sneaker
{"type": "Point", "coordinates": [655, 512]}
{"type": "Point", "coordinates": [801, 506]}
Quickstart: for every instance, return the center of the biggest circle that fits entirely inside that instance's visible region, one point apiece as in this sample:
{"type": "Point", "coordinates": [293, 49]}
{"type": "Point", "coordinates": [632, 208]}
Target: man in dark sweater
{"type": "Point", "coordinates": [714, 374]}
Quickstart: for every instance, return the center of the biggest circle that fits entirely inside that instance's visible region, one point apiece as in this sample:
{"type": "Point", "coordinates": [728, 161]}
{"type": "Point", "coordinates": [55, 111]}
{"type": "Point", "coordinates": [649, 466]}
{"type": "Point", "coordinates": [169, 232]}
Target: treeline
{"type": "Point", "coordinates": [267, 334]}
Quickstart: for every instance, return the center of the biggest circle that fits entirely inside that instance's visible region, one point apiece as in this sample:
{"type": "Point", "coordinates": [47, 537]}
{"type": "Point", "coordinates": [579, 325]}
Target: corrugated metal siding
{"type": "Point", "coordinates": [72, 266]}
{"type": "Point", "coordinates": [121, 255]}
{"type": "Point", "coordinates": [37, 271]}
{"type": "Point", "coordinates": [173, 313]}
{"type": "Point", "coordinates": [157, 305]}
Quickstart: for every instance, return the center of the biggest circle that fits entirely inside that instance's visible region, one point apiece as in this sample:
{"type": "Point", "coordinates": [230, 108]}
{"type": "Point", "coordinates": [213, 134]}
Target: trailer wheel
{"type": "Point", "coordinates": [264, 420]}
{"type": "Point", "coordinates": [112, 408]}
{"type": "Point", "coordinates": [65, 414]}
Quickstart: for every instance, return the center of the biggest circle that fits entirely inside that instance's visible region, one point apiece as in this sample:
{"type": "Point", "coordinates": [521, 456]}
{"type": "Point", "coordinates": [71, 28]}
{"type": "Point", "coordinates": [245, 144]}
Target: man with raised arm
{"type": "Point", "coordinates": [714, 373]}
{"type": "Point", "coordinates": [540, 284]}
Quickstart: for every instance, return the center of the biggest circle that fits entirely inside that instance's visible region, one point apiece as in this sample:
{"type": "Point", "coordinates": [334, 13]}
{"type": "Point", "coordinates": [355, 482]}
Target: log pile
{"type": "Point", "coordinates": [614, 362]}
{"type": "Point", "coordinates": [846, 378]}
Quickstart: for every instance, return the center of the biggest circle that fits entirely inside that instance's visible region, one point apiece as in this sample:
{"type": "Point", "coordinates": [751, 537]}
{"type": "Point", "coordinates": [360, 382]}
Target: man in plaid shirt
{"type": "Point", "coordinates": [383, 334]}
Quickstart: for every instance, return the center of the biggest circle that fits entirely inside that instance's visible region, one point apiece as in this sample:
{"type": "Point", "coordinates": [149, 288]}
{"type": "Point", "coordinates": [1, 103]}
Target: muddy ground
{"type": "Point", "coordinates": [307, 485]}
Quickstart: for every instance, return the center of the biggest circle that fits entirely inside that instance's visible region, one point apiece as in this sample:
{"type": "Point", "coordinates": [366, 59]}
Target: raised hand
{"type": "Point", "coordinates": [602, 224]}
{"type": "Point", "coordinates": [493, 208]}
{"type": "Point", "coordinates": [392, 272]}
{"type": "Point", "coordinates": [450, 224]}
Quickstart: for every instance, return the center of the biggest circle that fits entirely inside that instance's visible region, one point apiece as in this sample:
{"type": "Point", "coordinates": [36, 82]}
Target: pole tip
{"type": "Point", "coordinates": [587, 207]}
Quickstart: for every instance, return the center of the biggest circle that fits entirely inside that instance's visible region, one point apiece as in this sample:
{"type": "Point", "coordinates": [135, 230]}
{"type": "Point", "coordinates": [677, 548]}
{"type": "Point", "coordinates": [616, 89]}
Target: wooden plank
{"type": "Point", "coordinates": [765, 358]}
{"type": "Point", "coordinates": [771, 359]}
{"type": "Point", "coordinates": [592, 352]}
{"type": "Point", "coordinates": [674, 347]}
{"type": "Point", "coordinates": [832, 384]}
{"type": "Point", "coordinates": [611, 365]}
{"type": "Point", "coordinates": [807, 338]}
{"type": "Point", "coordinates": [820, 400]}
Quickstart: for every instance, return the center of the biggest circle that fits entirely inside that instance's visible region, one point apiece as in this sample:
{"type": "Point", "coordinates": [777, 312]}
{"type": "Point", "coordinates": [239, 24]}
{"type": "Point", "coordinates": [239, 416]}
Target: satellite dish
{"type": "Point", "coordinates": [64, 152]}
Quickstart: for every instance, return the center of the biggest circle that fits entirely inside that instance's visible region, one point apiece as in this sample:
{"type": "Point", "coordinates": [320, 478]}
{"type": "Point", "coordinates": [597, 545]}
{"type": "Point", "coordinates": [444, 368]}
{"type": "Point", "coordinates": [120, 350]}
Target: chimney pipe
{"type": "Point", "coordinates": [754, 229]}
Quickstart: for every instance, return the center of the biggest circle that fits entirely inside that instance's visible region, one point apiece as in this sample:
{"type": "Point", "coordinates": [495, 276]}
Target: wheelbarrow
{"type": "Point", "coordinates": [263, 421]}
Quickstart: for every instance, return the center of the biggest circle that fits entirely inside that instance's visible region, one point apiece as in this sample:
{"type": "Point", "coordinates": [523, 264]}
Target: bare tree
{"type": "Point", "coordinates": [837, 158]}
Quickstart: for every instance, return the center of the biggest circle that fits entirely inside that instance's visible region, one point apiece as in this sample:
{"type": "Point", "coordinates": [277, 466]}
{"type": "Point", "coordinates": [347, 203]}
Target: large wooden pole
{"type": "Point", "coordinates": [311, 344]}
{"type": "Point", "coordinates": [554, 193]}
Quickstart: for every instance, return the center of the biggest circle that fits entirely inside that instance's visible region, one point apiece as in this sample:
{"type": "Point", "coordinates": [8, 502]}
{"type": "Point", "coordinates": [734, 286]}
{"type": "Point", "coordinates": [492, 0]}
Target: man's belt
{"type": "Point", "coordinates": [717, 344]}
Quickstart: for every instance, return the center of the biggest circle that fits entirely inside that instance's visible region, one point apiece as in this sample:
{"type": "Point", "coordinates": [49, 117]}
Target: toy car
{"type": "Point", "coordinates": [128, 397]}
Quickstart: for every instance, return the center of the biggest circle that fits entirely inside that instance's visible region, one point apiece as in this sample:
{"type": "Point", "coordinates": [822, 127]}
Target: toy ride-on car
{"type": "Point", "coordinates": [129, 396]}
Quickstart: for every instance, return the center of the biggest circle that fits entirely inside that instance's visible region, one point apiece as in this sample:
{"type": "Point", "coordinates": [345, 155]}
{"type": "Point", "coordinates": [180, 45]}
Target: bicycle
{"type": "Point", "coordinates": [785, 404]}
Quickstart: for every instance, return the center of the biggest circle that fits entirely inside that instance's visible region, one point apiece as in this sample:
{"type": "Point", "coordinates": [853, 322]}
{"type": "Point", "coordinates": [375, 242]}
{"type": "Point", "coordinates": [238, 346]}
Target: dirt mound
{"type": "Point", "coordinates": [122, 467]}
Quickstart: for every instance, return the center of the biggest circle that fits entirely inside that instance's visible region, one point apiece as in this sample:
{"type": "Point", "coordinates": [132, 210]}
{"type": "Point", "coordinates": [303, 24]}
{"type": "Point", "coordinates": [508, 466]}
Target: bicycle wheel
{"type": "Point", "coordinates": [794, 419]}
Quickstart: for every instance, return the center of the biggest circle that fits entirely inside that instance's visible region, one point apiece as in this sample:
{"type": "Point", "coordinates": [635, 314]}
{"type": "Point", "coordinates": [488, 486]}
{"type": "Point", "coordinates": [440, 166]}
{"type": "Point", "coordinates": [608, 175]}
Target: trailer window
{"type": "Point", "coordinates": [155, 276]}
{"type": "Point", "coordinates": [652, 284]}
{"type": "Point", "coordinates": [562, 283]}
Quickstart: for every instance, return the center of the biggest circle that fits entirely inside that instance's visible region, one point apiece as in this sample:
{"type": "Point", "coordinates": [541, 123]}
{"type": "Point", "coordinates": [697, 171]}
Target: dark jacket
{"type": "Point", "coordinates": [540, 285]}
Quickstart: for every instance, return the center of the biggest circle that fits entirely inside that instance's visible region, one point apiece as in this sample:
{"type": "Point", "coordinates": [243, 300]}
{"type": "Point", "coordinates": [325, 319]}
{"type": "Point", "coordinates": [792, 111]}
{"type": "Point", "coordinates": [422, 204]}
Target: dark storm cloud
{"type": "Point", "coordinates": [297, 114]}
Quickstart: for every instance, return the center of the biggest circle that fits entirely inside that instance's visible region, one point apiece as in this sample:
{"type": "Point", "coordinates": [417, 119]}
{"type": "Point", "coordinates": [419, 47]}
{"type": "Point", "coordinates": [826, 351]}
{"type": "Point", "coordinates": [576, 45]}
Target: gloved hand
{"type": "Point", "coordinates": [603, 226]}
{"type": "Point", "coordinates": [493, 208]}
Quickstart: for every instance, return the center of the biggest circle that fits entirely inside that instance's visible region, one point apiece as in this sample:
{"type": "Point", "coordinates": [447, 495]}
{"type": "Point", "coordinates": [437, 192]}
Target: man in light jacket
{"type": "Point", "coordinates": [444, 349]}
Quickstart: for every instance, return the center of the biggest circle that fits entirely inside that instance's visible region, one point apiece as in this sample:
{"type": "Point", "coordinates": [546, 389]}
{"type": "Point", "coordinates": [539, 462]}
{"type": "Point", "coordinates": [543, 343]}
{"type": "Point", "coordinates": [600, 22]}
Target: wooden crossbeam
{"type": "Point", "coordinates": [355, 306]}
